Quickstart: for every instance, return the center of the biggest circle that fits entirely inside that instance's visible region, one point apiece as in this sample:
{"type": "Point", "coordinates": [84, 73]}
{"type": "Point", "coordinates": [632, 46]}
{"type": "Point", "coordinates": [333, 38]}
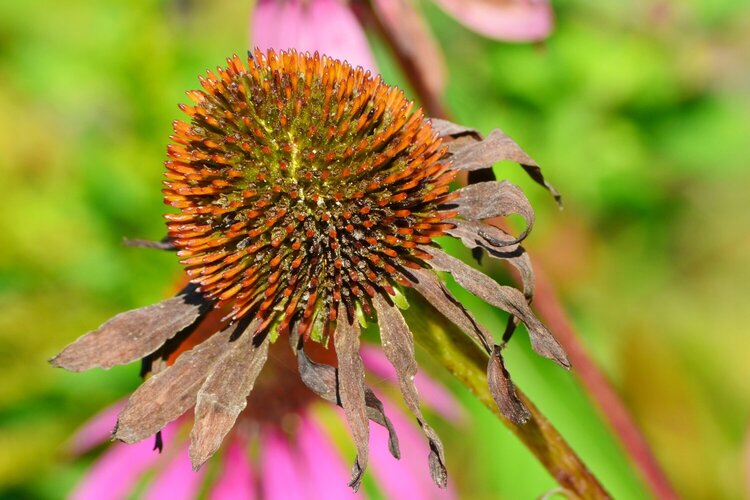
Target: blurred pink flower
{"type": "Point", "coordinates": [330, 27]}
{"type": "Point", "coordinates": [509, 20]}
{"type": "Point", "coordinates": [326, 26]}
{"type": "Point", "coordinates": [296, 457]}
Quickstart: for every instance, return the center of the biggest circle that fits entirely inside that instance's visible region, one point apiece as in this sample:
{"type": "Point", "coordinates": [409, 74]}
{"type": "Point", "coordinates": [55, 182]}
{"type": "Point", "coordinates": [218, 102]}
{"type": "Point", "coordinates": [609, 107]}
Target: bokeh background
{"type": "Point", "coordinates": [638, 111]}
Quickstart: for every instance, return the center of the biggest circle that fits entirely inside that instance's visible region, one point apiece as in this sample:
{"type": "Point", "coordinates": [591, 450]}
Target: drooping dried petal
{"type": "Point", "coordinates": [171, 392]}
{"type": "Point", "coordinates": [398, 345]}
{"type": "Point", "coordinates": [351, 385]}
{"type": "Point", "coordinates": [224, 394]}
{"type": "Point", "coordinates": [503, 391]}
{"type": "Point", "coordinates": [431, 288]}
{"type": "Point", "coordinates": [504, 297]}
{"type": "Point", "coordinates": [498, 244]}
{"type": "Point", "coordinates": [494, 199]}
{"type": "Point", "coordinates": [131, 335]}
{"type": "Point", "coordinates": [323, 380]}
{"type": "Point", "coordinates": [497, 146]}
{"type": "Point", "coordinates": [472, 153]}
{"type": "Point", "coordinates": [453, 131]}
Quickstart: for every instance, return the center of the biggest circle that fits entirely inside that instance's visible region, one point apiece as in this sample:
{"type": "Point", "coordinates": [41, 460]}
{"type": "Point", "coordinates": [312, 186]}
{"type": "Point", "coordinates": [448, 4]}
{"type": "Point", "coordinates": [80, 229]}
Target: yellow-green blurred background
{"type": "Point", "coordinates": [638, 111]}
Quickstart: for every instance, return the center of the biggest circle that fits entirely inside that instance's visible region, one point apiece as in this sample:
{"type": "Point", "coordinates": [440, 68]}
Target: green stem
{"type": "Point", "coordinates": [450, 347]}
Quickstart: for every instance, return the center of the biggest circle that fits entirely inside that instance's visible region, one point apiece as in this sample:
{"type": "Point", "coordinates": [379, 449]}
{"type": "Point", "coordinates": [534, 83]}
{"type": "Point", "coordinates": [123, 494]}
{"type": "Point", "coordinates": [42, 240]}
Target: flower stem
{"type": "Point", "coordinates": [599, 389]}
{"type": "Point", "coordinates": [468, 363]}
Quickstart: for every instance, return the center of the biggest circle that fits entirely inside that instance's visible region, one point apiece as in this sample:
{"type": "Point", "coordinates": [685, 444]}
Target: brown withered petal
{"type": "Point", "coordinates": [351, 385]}
{"type": "Point", "coordinates": [224, 394]}
{"type": "Point", "coordinates": [398, 345]}
{"type": "Point", "coordinates": [453, 131]}
{"type": "Point", "coordinates": [503, 391]}
{"type": "Point", "coordinates": [170, 393]}
{"type": "Point", "coordinates": [504, 297]}
{"type": "Point", "coordinates": [471, 153]}
{"type": "Point", "coordinates": [323, 380]}
{"type": "Point", "coordinates": [497, 146]}
{"type": "Point", "coordinates": [432, 289]}
{"type": "Point", "coordinates": [131, 335]}
{"type": "Point", "coordinates": [494, 199]}
{"type": "Point", "coordinates": [498, 244]}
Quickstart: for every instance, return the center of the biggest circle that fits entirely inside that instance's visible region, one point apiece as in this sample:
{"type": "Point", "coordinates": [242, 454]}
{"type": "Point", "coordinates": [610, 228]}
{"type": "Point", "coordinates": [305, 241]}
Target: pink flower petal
{"type": "Point", "coordinates": [177, 481]}
{"type": "Point", "coordinates": [511, 20]}
{"type": "Point", "coordinates": [97, 430]}
{"type": "Point", "coordinates": [236, 481]}
{"type": "Point", "coordinates": [431, 393]}
{"type": "Point", "coordinates": [117, 471]}
{"type": "Point", "coordinates": [326, 470]}
{"type": "Point", "coordinates": [326, 26]}
{"type": "Point", "coordinates": [281, 477]}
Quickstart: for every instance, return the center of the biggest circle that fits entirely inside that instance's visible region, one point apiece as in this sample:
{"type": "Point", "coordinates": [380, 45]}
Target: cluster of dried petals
{"type": "Point", "coordinates": [309, 193]}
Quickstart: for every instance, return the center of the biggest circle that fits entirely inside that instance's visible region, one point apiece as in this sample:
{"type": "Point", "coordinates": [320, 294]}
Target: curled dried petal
{"type": "Point", "coordinates": [431, 288]}
{"type": "Point", "coordinates": [323, 379]}
{"type": "Point", "coordinates": [494, 199]}
{"type": "Point", "coordinates": [504, 297]}
{"type": "Point", "coordinates": [351, 388]}
{"type": "Point", "coordinates": [472, 153]}
{"type": "Point", "coordinates": [398, 345]}
{"type": "Point", "coordinates": [503, 391]}
{"type": "Point", "coordinates": [498, 244]}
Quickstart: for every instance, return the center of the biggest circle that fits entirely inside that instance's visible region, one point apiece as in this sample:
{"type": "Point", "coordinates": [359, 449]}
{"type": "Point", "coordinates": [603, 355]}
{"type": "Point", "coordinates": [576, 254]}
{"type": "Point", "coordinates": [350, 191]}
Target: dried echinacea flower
{"type": "Point", "coordinates": [309, 195]}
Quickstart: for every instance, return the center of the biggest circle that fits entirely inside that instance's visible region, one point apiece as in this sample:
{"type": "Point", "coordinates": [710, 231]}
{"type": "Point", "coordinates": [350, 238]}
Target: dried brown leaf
{"type": "Point", "coordinates": [431, 288]}
{"type": "Point", "coordinates": [398, 345]}
{"type": "Point", "coordinates": [132, 335]}
{"type": "Point", "coordinates": [351, 389]}
{"type": "Point", "coordinates": [503, 391]}
{"type": "Point", "coordinates": [224, 393]}
{"type": "Point", "coordinates": [504, 297]}
{"type": "Point", "coordinates": [171, 392]}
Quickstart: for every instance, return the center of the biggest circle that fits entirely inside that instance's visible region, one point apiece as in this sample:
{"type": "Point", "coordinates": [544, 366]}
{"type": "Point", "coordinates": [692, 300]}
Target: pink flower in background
{"type": "Point", "coordinates": [295, 458]}
{"type": "Point", "coordinates": [326, 26]}
{"type": "Point", "coordinates": [508, 20]}
{"type": "Point", "coordinates": [331, 27]}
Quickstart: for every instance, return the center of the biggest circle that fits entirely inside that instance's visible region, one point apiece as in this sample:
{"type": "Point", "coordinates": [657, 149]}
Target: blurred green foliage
{"type": "Point", "coordinates": [639, 112]}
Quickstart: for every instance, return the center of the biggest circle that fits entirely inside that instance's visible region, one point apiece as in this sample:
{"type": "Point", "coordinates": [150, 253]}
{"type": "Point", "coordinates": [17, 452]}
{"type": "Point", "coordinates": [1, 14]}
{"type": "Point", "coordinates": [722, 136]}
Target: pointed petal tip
{"type": "Point", "coordinates": [67, 360]}
{"type": "Point", "coordinates": [357, 472]}
{"type": "Point", "coordinates": [55, 361]}
{"type": "Point", "coordinates": [438, 471]}
{"type": "Point", "coordinates": [126, 433]}
{"type": "Point", "coordinates": [197, 462]}
{"type": "Point", "coordinates": [548, 347]}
